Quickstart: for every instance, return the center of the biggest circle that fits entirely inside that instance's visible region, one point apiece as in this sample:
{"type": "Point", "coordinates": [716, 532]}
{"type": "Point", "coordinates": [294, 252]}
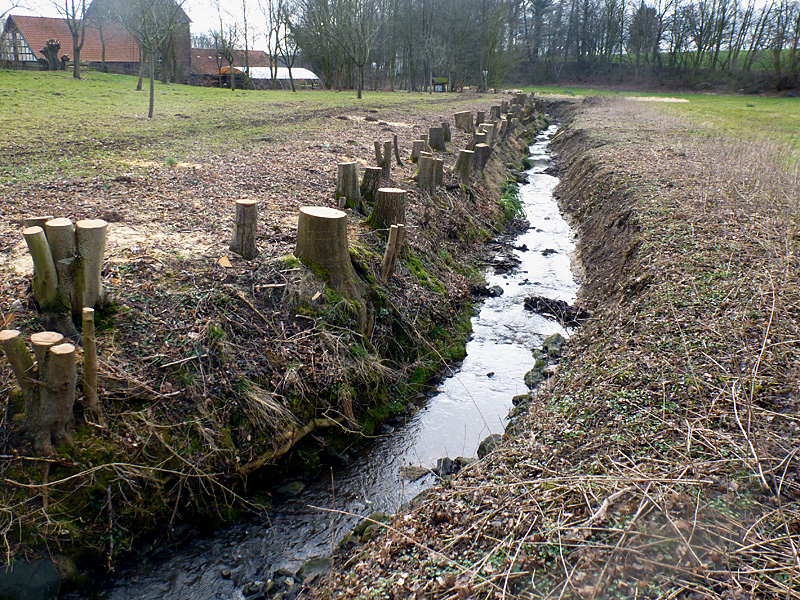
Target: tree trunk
{"type": "Point", "coordinates": [417, 147]}
{"type": "Point", "coordinates": [438, 172]}
{"type": "Point", "coordinates": [436, 137]}
{"type": "Point", "coordinates": [397, 151]}
{"type": "Point", "coordinates": [387, 159]}
{"type": "Point", "coordinates": [58, 375]}
{"type": "Point", "coordinates": [152, 61]}
{"type": "Point", "coordinates": [322, 242]}
{"type": "Point", "coordinates": [390, 208]}
{"type": "Point", "coordinates": [347, 192]}
{"type": "Point", "coordinates": [464, 165]}
{"type": "Point", "coordinates": [36, 221]}
{"type": "Point", "coordinates": [90, 366]}
{"type": "Point", "coordinates": [425, 174]}
{"type": "Point", "coordinates": [76, 62]}
{"type": "Point", "coordinates": [91, 243]}
{"type": "Point", "coordinates": [61, 238]}
{"type": "Point", "coordinates": [45, 278]}
{"type": "Point", "coordinates": [370, 183]}
{"type": "Point", "coordinates": [463, 121]}
{"type": "Point", "coordinates": [245, 228]}
{"type": "Point", "coordinates": [480, 117]}
{"type": "Point", "coordinates": [478, 138]}
{"type": "Point", "coordinates": [21, 363]}
{"type": "Point", "coordinates": [482, 154]}
{"type": "Point", "coordinates": [397, 234]}
{"type": "Point", "coordinates": [494, 112]}
{"type": "Point", "coordinates": [448, 136]}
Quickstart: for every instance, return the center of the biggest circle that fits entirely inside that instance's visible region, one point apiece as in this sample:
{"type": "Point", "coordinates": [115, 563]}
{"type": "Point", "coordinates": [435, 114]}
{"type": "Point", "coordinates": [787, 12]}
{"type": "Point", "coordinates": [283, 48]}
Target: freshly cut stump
{"type": "Point", "coordinates": [22, 365]}
{"type": "Point", "coordinates": [464, 165]}
{"type": "Point", "coordinates": [59, 377]}
{"type": "Point", "coordinates": [436, 139]}
{"type": "Point", "coordinates": [347, 189]}
{"type": "Point", "coordinates": [482, 154]}
{"type": "Point", "coordinates": [36, 221]}
{"type": "Point", "coordinates": [390, 208]}
{"type": "Point", "coordinates": [245, 227]}
{"type": "Point", "coordinates": [370, 183]}
{"type": "Point", "coordinates": [322, 243]}
{"type": "Point", "coordinates": [417, 146]}
{"type": "Point", "coordinates": [91, 241]}
{"type": "Point", "coordinates": [45, 278]}
{"type": "Point", "coordinates": [61, 238]}
{"type": "Point", "coordinates": [425, 174]}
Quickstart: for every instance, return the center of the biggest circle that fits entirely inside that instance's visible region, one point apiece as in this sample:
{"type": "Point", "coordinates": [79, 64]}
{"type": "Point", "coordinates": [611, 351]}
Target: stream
{"type": "Point", "coordinates": [471, 403]}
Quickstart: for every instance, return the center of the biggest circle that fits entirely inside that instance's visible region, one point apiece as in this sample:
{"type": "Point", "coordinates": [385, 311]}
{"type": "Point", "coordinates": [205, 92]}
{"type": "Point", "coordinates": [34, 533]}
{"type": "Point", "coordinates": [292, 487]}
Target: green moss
{"type": "Point", "coordinates": [414, 264]}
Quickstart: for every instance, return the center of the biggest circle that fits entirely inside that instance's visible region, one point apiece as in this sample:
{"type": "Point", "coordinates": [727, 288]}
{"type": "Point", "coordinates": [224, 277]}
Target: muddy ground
{"type": "Point", "coordinates": [661, 462]}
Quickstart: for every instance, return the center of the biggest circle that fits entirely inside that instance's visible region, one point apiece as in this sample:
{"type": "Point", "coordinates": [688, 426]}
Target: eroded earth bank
{"type": "Point", "coordinates": [660, 462]}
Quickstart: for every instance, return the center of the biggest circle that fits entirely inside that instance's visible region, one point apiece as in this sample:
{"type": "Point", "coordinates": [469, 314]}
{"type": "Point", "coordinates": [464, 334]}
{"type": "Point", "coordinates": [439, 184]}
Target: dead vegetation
{"type": "Point", "coordinates": [212, 367]}
{"type": "Point", "coordinates": [662, 462]}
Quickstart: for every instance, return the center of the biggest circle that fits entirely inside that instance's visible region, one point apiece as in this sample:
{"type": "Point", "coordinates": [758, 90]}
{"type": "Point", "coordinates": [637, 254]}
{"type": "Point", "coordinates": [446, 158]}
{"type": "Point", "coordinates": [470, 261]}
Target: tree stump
{"type": "Point", "coordinates": [489, 129]}
{"type": "Point", "coordinates": [348, 192]}
{"type": "Point", "coordinates": [322, 243]}
{"type": "Point", "coordinates": [387, 159]}
{"type": "Point", "coordinates": [370, 183]}
{"type": "Point", "coordinates": [478, 138]}
{"type": "Point", "coordinates": [448, 136]}
{"type": "Point", "coordinates": [90, 366]}
{"type": "Point", "coordinates": [91, 244]}
{"type": "Point", "coordinates": [36, 221]}
{"type": "Point", "coordinates": [22, 365]}
{"type": "Point", "coordinates": [463, 121]}
{"type": "Point", "coordinates": [425, 173]}
{"type": "Point", "coordinates": [503, 107]}
{"type": "Point", "coordinates": [438, 172]}
{"type": "Point", "coordinates": [390, 208]}
{"type": "Point", "coordinates": [436, 138]}
{"type": "Point", "coordinates": [416, 147]}
{"type": "Point", "coordinates": [45, 278]}
{"type": "Point", "coordinates": [482, 154]}
{"type": "Point", "coordinates": [397, 151]}
{"type": "Point", "coordinates": [378, 154]}
{"type": "Point", "coordinates": [503, 128]}
{"type": "Point", "coordinates": [394, 245]}
{"type": "Point", "coordinates": [480, 117]}
{"type": "Point", "coordinates": [494, 112]}
{"type": "Point", "coordinates": [464, 165]}
{"type": "Point", "coordinates": [60, 235]}
{"type": "Point", "coordinates": [42, 342]}
{"type": "Point", "coordinates": [58, 375]}
{"type": "Point", "coordinates": [425, 146]}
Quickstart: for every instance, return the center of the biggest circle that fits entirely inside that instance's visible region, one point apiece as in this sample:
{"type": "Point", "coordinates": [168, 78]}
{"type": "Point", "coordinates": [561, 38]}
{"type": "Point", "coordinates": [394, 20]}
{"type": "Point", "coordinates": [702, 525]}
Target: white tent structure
{"type": "Point", "coordinates": [261, 77]}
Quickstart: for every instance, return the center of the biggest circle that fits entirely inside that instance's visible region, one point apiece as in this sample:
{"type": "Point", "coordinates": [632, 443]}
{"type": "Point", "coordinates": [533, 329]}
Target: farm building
{"type": "Point", "coordinates": [208, 65]}
{"type": "Point", "coordinates": [107, 44]}
{"type": "Point", "coordinates": [303, 78]}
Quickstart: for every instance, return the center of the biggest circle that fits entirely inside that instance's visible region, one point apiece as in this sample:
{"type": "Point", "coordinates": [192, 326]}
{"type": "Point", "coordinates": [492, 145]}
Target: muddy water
{"type": "Point", "coordinates": [470, 404]}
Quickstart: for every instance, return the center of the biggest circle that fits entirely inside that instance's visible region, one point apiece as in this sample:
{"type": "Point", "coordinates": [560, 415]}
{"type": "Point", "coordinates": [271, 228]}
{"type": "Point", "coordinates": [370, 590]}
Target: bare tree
{"type": "Point", "coordinates": [74, 13]}
{"type": "Point", "coordinates": [225, 39]}
{"type": "Point", "coordinates": [151, 23]}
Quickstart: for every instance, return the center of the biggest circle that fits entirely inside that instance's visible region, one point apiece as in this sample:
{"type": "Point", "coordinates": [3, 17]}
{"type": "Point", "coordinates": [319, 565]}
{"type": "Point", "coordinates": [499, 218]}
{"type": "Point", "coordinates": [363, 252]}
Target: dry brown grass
{"type": "Point", "coordinates": [663, 461]}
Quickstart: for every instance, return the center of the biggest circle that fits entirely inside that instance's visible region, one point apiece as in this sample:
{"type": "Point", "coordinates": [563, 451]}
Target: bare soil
{"type": "Point", "coordinates": [211, 366]}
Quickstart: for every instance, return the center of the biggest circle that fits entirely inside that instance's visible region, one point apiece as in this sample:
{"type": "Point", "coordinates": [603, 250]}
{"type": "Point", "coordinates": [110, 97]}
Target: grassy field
{"type": "Point", "coordinates": [54, 123]}
{"type": "Point", "coordinates": [742, 117]}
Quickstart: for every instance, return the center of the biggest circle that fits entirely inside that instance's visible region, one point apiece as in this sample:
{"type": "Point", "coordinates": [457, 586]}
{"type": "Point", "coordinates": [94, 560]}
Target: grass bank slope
{"type": "Point", "coordinates": [212, 367]}
{"type": "Point", "coordinates": [662, 460]}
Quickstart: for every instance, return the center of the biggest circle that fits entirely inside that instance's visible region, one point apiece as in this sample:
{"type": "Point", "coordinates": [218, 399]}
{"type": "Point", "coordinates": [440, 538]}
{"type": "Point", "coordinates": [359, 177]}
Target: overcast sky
{"type": "Point", "coordinates": [203, 13]}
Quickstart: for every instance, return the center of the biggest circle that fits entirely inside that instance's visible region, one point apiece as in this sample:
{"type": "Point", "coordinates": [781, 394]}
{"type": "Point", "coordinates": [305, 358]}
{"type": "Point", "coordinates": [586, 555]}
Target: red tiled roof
{"type": "Point", "coordinates": [204, 60]}
{"type": "Point", "coordinates": [120, 46]}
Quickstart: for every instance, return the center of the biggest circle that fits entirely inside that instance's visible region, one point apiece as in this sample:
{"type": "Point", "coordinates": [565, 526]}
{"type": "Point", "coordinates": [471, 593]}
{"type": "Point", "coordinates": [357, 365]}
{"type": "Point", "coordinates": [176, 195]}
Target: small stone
{"type": "Point", "coordinates": [489, 444]}
{"type": "Point", "coordinates": [444, 467]}
{"type": "Point", "coordinates": [554, 344]}
{"type": "Point", "coordinates": [313, 568]}
{"type": "Point", "coordinates": [225, 573]}
{"type": "Point", "coordinates": [291, 489]}
{"type": "Point", "coordinates": [490, 374]}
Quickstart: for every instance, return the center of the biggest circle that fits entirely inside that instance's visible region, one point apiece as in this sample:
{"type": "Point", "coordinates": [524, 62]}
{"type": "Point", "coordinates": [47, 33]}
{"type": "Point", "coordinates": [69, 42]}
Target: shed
{"type": "Point", "coordinates": [261, 78]}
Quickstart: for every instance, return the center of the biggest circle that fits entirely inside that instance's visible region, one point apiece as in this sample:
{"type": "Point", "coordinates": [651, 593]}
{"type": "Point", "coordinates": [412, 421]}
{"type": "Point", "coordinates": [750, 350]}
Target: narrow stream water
{"type": "Point", "coordinates": [469, 405]}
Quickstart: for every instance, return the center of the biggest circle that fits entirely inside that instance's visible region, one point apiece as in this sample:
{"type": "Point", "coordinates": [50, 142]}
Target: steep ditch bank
{"type": "Point", "coordinates": [660, 462]}
{"type": "Point", "coordinates": [210, 369]}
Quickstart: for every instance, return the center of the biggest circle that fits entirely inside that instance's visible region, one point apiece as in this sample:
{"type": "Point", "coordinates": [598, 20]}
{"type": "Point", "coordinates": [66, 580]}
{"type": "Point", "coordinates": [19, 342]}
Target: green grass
{"type": "Point", "coordinates": [52, 124]}
{"type": "Point", "coordinates": [751, 117]}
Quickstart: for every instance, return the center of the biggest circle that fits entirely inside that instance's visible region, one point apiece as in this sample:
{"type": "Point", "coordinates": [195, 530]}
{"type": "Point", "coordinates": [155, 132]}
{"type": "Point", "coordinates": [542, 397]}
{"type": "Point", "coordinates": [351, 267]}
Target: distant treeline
{"type": "Point", "coordinates": [389, 44]}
